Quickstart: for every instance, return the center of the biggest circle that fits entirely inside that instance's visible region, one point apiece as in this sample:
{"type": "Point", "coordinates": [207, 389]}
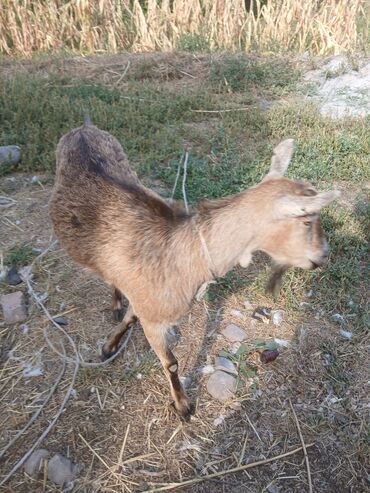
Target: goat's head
{"type": "Point", "coordinates": [294, 237]}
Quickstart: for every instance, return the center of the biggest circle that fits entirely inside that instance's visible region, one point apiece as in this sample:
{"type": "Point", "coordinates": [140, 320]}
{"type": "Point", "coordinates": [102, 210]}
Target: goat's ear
{"type": "Point", "coordinates": [302, 206]}
{"type": "Point", "coordinates": [280, 160]}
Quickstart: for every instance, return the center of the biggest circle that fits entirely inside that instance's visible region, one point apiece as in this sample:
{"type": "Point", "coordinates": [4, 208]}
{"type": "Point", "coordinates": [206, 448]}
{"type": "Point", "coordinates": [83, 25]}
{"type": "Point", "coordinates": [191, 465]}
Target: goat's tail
{"type": "Point", "coordinates": [87, 119]}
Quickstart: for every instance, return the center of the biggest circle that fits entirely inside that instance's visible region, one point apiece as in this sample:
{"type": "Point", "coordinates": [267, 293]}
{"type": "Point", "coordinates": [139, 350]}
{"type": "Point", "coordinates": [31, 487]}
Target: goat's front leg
{"type": "Point", "coordinates": [156, 335]}
{"type": "Point", "coordinates": [111, 346]}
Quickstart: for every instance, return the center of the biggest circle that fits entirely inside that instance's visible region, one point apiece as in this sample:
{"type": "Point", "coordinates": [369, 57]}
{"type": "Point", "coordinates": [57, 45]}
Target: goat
{"type": "Point", "coordinates": [157, 255]}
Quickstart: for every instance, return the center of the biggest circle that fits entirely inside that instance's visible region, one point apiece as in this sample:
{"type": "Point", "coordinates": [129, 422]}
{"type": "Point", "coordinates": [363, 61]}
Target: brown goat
{"type": "Point", "coordinates": [158, 256]}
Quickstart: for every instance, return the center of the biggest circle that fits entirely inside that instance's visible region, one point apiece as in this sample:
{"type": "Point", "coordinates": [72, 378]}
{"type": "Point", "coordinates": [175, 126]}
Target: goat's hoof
{"type": "Point", "coordinates": [118, 314]}
{"type": "Point", "coordinates": [106, 354]}
{"type": "Point", "coordinates": [184, 410]}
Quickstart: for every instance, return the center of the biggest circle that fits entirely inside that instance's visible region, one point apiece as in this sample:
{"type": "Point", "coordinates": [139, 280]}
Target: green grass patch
{"type": "Point", "coordinates": [326, 150]}
{"type": "Point", "coordinates": [20, 255]}
{"type": "Point", "coordinates": [242, 73]}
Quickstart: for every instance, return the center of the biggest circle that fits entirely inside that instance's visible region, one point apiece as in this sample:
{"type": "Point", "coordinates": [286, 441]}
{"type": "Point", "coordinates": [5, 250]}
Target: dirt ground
{"type": "Point", "coordinates": [118, 425]}
{"type": "Point", "coordinates": [126, 403]}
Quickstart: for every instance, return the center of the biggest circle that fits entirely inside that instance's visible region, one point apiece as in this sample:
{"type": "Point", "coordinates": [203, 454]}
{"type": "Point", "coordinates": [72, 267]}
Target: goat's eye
{"type": "Point", "coordinates": [307, 223]}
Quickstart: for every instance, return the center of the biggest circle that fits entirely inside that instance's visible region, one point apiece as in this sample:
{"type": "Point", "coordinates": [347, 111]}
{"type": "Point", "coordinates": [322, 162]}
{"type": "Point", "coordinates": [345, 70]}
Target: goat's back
{"type": "Point", "coordinates": [109, 222]}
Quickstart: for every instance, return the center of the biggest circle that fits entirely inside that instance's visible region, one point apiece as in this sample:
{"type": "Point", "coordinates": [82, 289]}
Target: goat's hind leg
{"type": "Point", "coordinates": [111, 346]}
{"type": "Point", "coordinates": [117, 305]}
{"type": "Point", "coordinates": [156, 335]}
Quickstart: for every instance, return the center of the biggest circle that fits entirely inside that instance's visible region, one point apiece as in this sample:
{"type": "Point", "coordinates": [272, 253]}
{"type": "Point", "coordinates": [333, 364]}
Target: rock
{"type": "Point", "coordinates": [25, 328]}
{"type": "Point", "coordinates": [219, 421]}
{"type": "Point", "coordinates": [273, 489]}
{"type": "Point", "coordinates": [12, 276]}
{"type": "Point", "coordinates": [226, 365]}
{"type": "Point", "coordinates": [14, 307]}
{"type": "Point", "coordinates": [269, 355]}
{"type": "Point", "coordinates": [234, 333]}
{"type": "Point", "coordinates": [238, 314]}
{"type": "Point", "coordinates": [10, 154]}
{"type": "Point", "coordinates": [262, 314]}
{"type": "Point", "coordinates": [277, 317]}
{"type": "Point", "coordinates": [248, 305]}
{"type": "Point", "coordinates": [33, 464]}
{"type": "Point", "coordinates": [61, 320]}
{"type": "Point", "coordinates": [221, 385]}
{"type": "Point", "coordinates": [341, 91]}
{"type": "Point", "coordinates": [62, 470]}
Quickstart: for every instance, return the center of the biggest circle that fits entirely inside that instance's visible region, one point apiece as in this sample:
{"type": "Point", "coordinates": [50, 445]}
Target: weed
{"type": "Point", "coordinates": [192, 43]}
{"type": "Point", "coordinates": [20, 255]}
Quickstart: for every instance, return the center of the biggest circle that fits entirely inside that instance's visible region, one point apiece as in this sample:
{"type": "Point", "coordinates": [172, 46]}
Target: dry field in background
{"type": "Point", "coordinates": [30, 27]}
{"type": "Point", "coordinates": [118, 423]}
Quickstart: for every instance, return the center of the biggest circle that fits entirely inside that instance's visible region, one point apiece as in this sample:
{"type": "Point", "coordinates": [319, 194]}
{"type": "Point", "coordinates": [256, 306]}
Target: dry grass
{"type": "Point", "coordinates": [320, 26]}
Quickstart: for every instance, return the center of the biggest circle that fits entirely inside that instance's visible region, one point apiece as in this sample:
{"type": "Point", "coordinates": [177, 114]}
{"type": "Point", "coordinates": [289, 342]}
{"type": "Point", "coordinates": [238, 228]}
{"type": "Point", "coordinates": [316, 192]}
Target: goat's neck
{"type": "Point", "coordinates": [230, 233]}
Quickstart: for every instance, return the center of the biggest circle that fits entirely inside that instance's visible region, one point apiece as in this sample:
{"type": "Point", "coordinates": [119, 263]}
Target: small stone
{"type": "Point", "coordinates": [24, 328]}
{"type": "Point", "coordinates": [262, 314]}
{"type": "Point", "coordinates": [10, 154]}
{"type": "Point", "coordinates": [12, 276]}
{"type": "Point", "coordinates": [33, 464]}
{"type": "Point", "coordinates": [337, 317]}
{"type": "Point", "coordinates": [236, 405]}
{"type": "Point", "coordinates": [221, 385]}
{"type": "Point", "coordinates": [61, 470]}
{"type": "Point", "coordinates": [269, 355]}
{"type": "Point", "coordinates": [273, 489]}
{"type": "Point", "coordinates": [219, 421]}
{"type": "Point", "coordinates": [14, 307]}
{"type": "Point", "coordinates": [248, 305]}
{"type": "Point", "coordinates": [61, 320]}
{"type": "Point", "coordinates": [277, 317]}
{"type": "Point", "coordinates": [238, 314]}
{"type": "Point", "coordinates": [234, 333]}
{"type": "Point", "coordinates": [226, 365]}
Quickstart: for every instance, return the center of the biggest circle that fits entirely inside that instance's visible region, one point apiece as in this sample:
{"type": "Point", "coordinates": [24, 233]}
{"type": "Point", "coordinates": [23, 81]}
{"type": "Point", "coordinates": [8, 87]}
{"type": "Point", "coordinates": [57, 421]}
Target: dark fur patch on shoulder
{"type": "Point", "coordinates": [75, 221]}
{"type": "Point", "coordinates": [97, 165]}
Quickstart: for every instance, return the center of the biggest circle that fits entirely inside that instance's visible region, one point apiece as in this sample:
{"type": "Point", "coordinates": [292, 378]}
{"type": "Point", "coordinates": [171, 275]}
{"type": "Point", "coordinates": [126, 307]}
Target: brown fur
{"type": "Point", "coordinates": [157, 255]}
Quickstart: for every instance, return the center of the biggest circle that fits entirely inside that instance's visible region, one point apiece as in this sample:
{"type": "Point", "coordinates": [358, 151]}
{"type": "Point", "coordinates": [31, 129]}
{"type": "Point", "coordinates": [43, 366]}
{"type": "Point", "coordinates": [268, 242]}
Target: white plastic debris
{"type": "Point", "coordinates": [282, 342]}
{"type": "Point", "coordinates": [345, 334]}
{"type": "Point", "coordinates": [337, 317]}
{"type": "Point", "coordinates": [31, 371]}
{"type": "Point", "coordinates": [207, 370]}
